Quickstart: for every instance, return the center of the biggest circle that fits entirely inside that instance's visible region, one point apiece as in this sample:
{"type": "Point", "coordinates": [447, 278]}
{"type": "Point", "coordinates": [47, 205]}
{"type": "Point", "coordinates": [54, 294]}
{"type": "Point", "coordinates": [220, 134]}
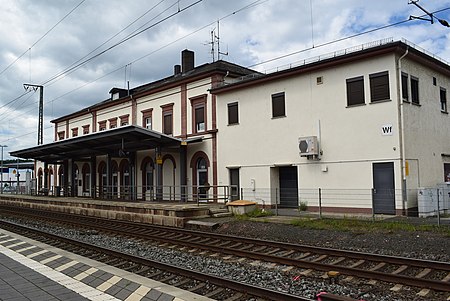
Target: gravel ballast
{"type": "Point", "coordinates": [422, 245]}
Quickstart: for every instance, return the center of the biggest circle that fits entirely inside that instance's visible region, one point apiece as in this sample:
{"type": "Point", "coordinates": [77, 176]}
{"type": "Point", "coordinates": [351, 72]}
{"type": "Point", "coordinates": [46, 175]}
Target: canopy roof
{"type": "Point", "coordinates": [117, 142]}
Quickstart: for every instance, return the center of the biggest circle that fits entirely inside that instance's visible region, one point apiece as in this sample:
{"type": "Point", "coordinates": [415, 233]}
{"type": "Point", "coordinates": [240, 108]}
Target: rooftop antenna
{"type": "Point", "coordinates": [430, 15]}
{"type": "Point", "coordinates": [218, 42]}
{"type": "Point", "coordinates": [215, 39]}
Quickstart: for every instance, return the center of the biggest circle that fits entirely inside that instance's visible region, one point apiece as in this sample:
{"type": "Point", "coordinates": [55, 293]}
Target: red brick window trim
{"type": "Point", "coordinates": [124, 119]}
{"type": "Point", "coordinates": [199, 113]}
{"type": "Point", "coordinates": [112, 122]}
{"type": "Point", "coordinates": [102, 125]}
{"type": "Point", "coordinates": [147, 118]}
{"type": "Point", "coordinates": [74, 132]}
{"type": "Point", "coordinates": [85, 129]}
{"type": "Point", "coordinates": [167, 117]}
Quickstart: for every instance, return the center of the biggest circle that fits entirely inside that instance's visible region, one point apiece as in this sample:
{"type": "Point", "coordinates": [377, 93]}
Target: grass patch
{"type": "Point", "coordinates": [255, 213]}
{"type": "Point", "coordinates": [358, 225]}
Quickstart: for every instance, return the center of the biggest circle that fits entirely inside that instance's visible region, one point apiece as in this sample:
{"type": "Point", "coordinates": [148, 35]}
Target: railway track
{"type": "Point", "coordinates": [217, 288]}
{"type": "Point", "coordinates": [336, 264]}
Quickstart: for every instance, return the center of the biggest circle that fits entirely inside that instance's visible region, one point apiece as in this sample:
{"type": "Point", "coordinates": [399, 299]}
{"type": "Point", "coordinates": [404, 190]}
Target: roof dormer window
{"type": "Point", "coordinates": [115, 96]}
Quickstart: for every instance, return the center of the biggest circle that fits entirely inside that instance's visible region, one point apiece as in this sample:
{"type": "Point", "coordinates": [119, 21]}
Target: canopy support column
{"type": "Point", "coordinates": [93, 179]}
{"type": "Point", "coordinates": [159, 187]}
{"type": "Point", "coordinates": [183, 171]}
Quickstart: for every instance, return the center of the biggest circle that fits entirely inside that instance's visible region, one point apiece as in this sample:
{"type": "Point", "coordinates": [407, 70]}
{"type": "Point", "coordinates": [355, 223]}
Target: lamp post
{"type": "Point", "coordinates": [1, 173]}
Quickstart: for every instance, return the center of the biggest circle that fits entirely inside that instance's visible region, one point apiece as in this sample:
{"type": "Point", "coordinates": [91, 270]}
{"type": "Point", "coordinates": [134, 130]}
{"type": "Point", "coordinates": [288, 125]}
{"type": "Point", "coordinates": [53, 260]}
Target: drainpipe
{"type": "Point", "coordinates": [401, 127]}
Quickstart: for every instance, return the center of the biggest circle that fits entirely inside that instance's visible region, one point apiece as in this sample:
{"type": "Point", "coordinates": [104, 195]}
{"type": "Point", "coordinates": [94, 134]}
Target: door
{"type": "Point", "coordinates": [202, 178]}
{"type": "Point", "coordinates": [383, 188]}
{"type": "Point", "coordinates": [288, 186]}
{"type": "Point", "coordinates": [234, 182]}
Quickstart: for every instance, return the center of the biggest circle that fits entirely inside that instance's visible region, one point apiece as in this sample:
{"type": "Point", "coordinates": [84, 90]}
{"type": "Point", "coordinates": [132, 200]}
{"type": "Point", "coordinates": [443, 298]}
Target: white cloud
{"type": "Point", "coordinates": [262, 32]}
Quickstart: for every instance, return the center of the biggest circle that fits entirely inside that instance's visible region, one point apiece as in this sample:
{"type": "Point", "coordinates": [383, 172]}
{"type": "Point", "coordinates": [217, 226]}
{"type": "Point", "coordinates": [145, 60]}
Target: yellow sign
{"type": "Point", "coordinates": [406, 168]}
{"type": "Point", "coordinates": [14, 171]}
{"type": "Point", "coordinates": [159, 160]}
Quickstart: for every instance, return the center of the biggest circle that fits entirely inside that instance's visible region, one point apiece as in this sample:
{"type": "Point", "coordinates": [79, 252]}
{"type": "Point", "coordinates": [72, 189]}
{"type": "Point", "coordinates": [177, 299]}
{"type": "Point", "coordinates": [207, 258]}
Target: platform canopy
{"type": "Point", "coordinates": [117, 142]}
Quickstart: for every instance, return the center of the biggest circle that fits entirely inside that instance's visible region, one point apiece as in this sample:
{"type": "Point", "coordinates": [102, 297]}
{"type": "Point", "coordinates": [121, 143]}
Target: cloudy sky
{"type": "Point", "coordinates": [80, 49]}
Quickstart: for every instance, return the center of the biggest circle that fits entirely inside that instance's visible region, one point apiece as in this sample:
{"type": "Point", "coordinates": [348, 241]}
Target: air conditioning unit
{"type": "Point", "coordinates": [308, 146]}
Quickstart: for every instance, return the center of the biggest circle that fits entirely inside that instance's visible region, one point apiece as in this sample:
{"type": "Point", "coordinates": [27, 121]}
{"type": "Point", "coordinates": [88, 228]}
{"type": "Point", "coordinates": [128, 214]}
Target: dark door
{"type": "Point", "coordinates": [288, 186]}
{"type": "Point", "coordinates": [383, 188]}
{"type": "Point", "coordinates": [234, 181]}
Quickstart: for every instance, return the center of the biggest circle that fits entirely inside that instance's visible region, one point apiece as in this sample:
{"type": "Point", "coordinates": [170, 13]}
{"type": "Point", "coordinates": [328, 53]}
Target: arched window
{"type": "Point", "coordinates": [86, 177]}
{"type": "Point", "coordinates": [115, 179]}
{"type": "Point", "coordinates": [40, 178]}
{"type": "Point", "coordinates": [102, 179]}
{"type": "Point", "coordinates": [125, 179]}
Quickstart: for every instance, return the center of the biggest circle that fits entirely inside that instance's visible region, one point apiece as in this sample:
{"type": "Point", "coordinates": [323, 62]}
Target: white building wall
{"type": "Point", "coordinates": [427, 128]}
{"type": "Point", "coordinates": [114, 112]}
{"type": "Point", "coordinates": [155, 101]}
{"type": "Point", "coordinates": [351, 137]}
{"type": "Point", "coordinates": [196, 89]}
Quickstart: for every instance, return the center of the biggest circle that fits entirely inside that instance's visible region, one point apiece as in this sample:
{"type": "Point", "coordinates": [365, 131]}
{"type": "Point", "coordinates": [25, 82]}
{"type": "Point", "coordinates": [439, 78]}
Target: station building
{"type": "Point", "coordinates": [368, 125]}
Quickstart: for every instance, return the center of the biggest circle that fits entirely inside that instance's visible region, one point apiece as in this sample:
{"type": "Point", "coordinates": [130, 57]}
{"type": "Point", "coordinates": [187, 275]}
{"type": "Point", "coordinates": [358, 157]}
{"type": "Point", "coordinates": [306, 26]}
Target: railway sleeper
{"type": "Point", "coordinates": [197, 287]}
{"type": "Point", "coordinates": [215, 292]}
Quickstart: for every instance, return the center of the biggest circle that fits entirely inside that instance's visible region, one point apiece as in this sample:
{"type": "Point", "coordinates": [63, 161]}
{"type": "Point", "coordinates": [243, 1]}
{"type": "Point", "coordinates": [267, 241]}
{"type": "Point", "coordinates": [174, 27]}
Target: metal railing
{"type": "Point", "coordinates": [188, 193]}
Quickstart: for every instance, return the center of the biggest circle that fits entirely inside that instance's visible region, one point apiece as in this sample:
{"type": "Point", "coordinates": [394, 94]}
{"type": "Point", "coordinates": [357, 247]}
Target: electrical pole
{"type": "Point", "coordinates": [28, 87]}
{"type": "Point", "coordinates": [1, 174]}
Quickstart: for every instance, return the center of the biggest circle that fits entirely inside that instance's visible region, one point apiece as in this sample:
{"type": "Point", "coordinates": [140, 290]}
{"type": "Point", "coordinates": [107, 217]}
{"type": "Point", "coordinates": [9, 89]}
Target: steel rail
{"type": "Point", "coordinates": [216, 280]}
{"type": "Point", "coordinates": [394, 278]}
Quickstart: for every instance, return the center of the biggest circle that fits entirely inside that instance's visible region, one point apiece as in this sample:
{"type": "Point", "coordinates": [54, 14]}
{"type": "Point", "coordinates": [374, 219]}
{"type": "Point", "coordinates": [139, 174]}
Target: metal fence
{"type": "Point", "coordinates": [423, 202]}
{"type": "Point", "coordinates": [433, 202]}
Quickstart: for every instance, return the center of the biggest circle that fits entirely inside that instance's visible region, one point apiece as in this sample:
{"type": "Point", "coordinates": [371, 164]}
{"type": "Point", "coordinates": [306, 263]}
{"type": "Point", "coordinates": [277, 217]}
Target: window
{"type": "Point", "coordinates": [278, 107]}
{"type": "Point", "coordinates": [74, 132]}
{"type": "Point", "coordinates": [167, 123]}
{"type": "Point", "coordinates": [434, 81]}
{"type": "Point", "coordinates": [405, 87]}
{"type": "Point", "coordinates": [85, 129]}
{"type": "Point", "coordinates": [167, 112]}
{"type": "Point", "coordinates": [148, 123]}
{"type": "Point", "coordinates": [198, 104]}
{"type": "Point", "coordinates": [61, 135]}
{"type": "Point", "coordinates": [233, 113]}
{"type": "Point", "coordinates": [379, 86]}
{"type": "Point", "coordinates": [147, 119]}
{"type": "Point", "coordinates": [443, 98]}
{"type": "Point", "coordinates": [112, 123]}
{"type": "Point", "coordinates": [355, 91]}
{"type": "Point", "coordinates": [124, 120]}
{"type": "Point", "coordinates": [199, 119]}
{"type": "Point", "coordinates": [102, 125]}
{"type": "Point", "coordinates": [447, 172]}
{"type": "Point", "coordinates": [415, 90]}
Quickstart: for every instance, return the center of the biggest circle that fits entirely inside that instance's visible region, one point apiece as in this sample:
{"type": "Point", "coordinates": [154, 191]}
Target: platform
{"type": "Point", "coordinates": [163, 213]}
{"type": "Point", "coordinates": [31, 270]}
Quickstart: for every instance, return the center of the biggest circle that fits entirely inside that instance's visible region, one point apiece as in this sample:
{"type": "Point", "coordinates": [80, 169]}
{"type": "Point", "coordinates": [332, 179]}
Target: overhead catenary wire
{"type": "Point", "coordinates": [280, 57]}
{"type": "Point", "coordinates": [83, 62]}
{"type": "Point", "coordinates": [42, 37]}
{"type": "Point", "coordinates": [109, 48]}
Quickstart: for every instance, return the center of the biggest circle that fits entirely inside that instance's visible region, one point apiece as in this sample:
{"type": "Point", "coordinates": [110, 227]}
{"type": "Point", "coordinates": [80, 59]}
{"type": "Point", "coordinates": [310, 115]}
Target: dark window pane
{"type": "Point", "coordinates": [443, 96]}
{"type": "Point", "coordinates": [167, 124]}
{"type": "Point", "coordinates": [379, 86]}
{"type": "Point", "coordinates": [415, 90]}
{"type": "Point", "coordinates": [233, 113]}
{"type": "Point", "coordinates": [405, 86]}
{"type": "Point", "coordinates": [199, 119]}
{"type": "Point", "coordinates": [355, 91]}
{"type": "Point", "coordinates": [278, 108]}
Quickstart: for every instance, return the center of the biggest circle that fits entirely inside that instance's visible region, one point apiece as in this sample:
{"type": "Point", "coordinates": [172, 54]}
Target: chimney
{"type": "Point", "coordinates": [176, 69]}
{"type": "Point", "coordinates": [187, 60]}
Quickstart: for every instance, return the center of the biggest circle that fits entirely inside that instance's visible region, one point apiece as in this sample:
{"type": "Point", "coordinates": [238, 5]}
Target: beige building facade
{"type": "Point", "coordinates": [358, 130]}
{"type": "Point", "coordinates": [375, 117]}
